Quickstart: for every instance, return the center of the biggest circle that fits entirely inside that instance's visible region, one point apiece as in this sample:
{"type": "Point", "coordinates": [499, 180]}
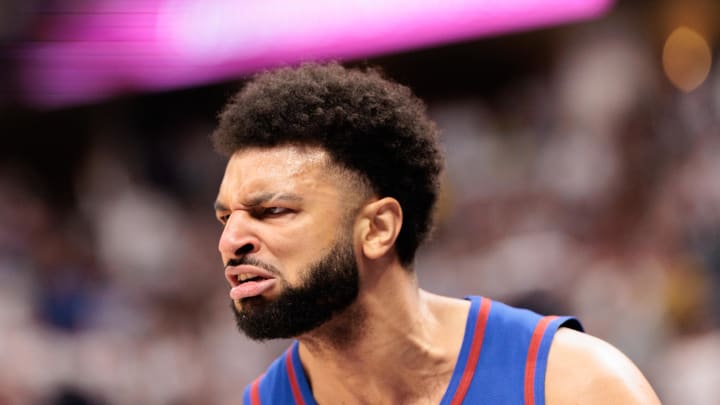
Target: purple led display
{"type": "Point", "coordinates": [114, 46]}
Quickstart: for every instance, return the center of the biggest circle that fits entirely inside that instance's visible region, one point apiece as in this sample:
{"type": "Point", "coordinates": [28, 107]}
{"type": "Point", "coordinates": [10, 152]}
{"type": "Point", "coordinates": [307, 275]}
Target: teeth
{"type": "Point", "coordinates": [244, 277]}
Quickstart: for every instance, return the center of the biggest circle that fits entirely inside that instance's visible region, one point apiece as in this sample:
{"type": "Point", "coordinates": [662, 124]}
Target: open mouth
{"type": "Point", "coordinates": [244, 278]}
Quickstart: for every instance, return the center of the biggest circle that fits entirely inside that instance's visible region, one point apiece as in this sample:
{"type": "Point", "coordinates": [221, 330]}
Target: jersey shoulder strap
{"type": "Point", "coordinates": [510, 364]}
{"type": "Point", "coordinates": [282, 383]}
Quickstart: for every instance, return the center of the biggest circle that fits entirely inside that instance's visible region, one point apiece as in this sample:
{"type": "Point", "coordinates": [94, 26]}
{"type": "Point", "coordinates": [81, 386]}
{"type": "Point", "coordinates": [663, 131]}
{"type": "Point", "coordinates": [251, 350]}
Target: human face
{"type": "Point", "coordinates": [284, 214]}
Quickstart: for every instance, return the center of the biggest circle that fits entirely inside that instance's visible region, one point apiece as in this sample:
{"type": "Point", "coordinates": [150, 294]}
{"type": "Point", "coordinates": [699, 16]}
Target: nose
{"type": "Point", "coordinates": [237, 238]}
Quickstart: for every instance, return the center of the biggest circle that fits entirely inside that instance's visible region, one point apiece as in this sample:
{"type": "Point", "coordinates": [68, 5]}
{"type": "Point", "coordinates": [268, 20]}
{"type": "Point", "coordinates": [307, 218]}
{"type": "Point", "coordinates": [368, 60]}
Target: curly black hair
{"type": "Point", "coordinates": [367, 124]}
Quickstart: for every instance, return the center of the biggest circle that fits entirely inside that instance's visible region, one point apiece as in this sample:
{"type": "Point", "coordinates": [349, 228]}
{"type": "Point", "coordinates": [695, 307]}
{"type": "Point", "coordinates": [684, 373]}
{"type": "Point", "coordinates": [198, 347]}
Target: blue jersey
{"type": "Point", "coordinates": [502, 360]}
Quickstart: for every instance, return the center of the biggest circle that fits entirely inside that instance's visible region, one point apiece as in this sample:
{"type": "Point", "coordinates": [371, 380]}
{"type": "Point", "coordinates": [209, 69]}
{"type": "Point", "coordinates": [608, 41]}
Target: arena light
{"type": "Point", "coordinates": [686, 58]}
{"type": "Point", "coordinates": [107, 47]}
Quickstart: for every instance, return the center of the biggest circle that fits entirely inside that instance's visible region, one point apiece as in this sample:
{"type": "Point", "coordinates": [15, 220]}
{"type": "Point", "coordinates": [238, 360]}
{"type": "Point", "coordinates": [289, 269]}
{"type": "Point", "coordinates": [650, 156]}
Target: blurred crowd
{"type": "Point", "coordinates": [591, 190]}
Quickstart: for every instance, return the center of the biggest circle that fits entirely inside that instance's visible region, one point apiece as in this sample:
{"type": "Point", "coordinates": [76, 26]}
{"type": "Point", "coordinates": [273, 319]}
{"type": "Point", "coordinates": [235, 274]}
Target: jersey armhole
{"type": "Point", "coordinates": [535, 388]}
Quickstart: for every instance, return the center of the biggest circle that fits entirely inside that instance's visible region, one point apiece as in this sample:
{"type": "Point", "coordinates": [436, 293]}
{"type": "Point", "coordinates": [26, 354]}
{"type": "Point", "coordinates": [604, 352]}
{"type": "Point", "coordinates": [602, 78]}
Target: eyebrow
{"type": "Point", "coordinates": [261, 198]}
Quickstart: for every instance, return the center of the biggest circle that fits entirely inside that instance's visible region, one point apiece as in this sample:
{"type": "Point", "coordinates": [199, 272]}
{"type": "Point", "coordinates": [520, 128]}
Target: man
{"type": "Point", "coordinates": [328, 192]}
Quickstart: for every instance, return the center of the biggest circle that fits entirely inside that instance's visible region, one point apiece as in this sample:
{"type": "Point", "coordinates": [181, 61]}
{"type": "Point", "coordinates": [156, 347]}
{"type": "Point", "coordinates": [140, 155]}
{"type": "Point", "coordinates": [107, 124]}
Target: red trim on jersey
{"type": "Point", "coordinates": [293, 379]}
{"type": "Point", "coordinates": [255, 392]}
{"type": "Point", "coordinates": [474, 355]}
{"type": "Point", "coordinates": [531, 361]}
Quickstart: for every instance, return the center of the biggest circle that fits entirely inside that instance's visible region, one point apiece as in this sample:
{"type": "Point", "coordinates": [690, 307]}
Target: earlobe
{"type": "Point", "coordinates": [383, 220]}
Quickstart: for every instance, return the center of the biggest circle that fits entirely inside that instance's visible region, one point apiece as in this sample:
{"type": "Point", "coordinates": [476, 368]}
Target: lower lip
{"type": "Point", "coordinates": [251, 289]}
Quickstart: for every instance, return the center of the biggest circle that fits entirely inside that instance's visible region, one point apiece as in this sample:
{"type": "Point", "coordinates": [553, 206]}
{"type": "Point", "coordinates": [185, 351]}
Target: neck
{"type": "Point", "coordinates": [394, 339]}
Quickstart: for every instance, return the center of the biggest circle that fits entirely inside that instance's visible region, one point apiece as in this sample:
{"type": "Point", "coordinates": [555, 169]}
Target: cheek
{"type": "Point", "coordinates": [302, 246]}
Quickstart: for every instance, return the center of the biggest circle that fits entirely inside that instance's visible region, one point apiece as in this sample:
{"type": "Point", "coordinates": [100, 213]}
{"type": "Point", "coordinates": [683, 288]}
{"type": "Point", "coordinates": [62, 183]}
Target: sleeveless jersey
{"type": "Point", "coordinates": [502, 360]}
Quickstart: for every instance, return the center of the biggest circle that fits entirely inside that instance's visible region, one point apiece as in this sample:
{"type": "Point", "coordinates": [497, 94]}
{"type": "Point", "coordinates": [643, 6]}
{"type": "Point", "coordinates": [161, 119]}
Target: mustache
{"type": "Point", "coordinates": [252, 262]}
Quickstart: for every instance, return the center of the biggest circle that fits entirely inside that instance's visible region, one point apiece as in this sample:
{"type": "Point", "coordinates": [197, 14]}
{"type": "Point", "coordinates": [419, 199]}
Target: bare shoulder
{"type": "Point", "coordinates": [583, 369]}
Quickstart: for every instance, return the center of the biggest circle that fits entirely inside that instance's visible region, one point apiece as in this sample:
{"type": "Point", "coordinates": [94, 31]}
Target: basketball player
{"type": "Point", "coordinates": [328, 192]}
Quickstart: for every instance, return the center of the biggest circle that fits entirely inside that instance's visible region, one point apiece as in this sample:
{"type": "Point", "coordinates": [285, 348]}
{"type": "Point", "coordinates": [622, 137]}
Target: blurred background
{"type": "Point", "coordinates": [583, 177]}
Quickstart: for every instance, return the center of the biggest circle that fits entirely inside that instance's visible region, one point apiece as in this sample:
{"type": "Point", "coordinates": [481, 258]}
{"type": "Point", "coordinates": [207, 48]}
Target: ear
{"type": "Point", "coordinates": [380, 225]}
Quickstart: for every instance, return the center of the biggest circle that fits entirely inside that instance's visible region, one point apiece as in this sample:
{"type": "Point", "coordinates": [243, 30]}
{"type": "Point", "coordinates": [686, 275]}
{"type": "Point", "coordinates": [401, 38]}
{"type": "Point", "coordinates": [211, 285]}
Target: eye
{"type": "Point", "coordinates": [223, 218]}
{"type": "Point", "coordinates": [275, 211]}
{"type": "Point", "coordinates": [270, 212]}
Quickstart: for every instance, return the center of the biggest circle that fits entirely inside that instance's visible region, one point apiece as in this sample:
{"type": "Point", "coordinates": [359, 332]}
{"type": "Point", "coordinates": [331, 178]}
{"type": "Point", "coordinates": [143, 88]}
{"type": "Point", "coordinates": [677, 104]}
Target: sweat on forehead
{"type": "Point", "coordinates": [297, 162]}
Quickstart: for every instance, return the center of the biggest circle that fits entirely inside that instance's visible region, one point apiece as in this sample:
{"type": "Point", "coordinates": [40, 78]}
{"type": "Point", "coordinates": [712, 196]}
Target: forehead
{"type": "Point", "coordinates": [283, 160]}
{"type": "Point", "coordinates": [285, 168]}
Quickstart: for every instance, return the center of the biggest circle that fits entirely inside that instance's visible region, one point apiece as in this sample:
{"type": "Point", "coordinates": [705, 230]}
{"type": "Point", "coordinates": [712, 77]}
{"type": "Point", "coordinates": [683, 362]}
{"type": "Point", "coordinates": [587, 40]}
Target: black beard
{"type": "Point", "coordinates": [330, 286]}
